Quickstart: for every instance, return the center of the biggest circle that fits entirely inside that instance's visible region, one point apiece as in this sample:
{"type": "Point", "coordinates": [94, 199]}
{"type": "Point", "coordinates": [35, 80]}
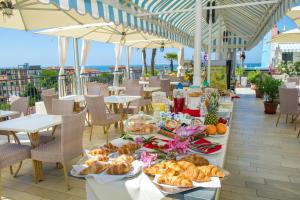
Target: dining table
{"type": "Point", "coordinates": [7, 113]}
{"type": "Point", "coordinates": [141, 187]}
{"type": "Point", "coordinates": [32, 124]}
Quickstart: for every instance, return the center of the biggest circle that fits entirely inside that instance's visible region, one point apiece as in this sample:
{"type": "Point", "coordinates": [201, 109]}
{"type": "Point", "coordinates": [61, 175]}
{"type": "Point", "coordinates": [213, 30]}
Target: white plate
{"type": "Point", "coordinates": [214, 183]}
{"type": "Point", "coordinates": [104, 177]}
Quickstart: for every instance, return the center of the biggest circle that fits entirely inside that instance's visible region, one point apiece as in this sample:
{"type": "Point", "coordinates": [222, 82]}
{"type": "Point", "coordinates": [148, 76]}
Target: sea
{"type": "Point", "coordinates": [106, 68]}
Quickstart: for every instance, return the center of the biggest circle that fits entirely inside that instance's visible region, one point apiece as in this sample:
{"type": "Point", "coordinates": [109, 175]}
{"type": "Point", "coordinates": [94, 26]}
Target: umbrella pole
{"type": "Point", "coordinates": [197, 44]}
{"type": "Point", "coordinates": [209, 45]}
{"type": "Point", "coordinates": [76, 63]}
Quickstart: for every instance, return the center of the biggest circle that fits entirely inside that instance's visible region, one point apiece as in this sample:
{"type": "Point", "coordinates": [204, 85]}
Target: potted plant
{"type": "Point", "coordinates": [239, 71]}
{"type": "Point", "coordinates": [252, 77]}
{"type": "Point", "coordinates": [271, 93]}
{"type": "Point", "coordinates": [258, 81]}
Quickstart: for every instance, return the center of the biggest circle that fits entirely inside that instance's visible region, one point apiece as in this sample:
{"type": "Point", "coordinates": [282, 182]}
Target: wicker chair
{"type": "Point", "coordinates": [48, 102]}
{"type": "Point", "coordinates": [20, 105]}
{"type": "Point", "coordinates": [50, 91]}
{"type": "Point", "coordinates": [165, 86]}
{"type": "Point", "coordinates": [289, 105]}
{"type": "Point", "coordinates": [154, 81]}
{"type": "Point", "coordinates": [97, 110]}
{"type": "Point", "coordinates": [93, 88]}
{"type": "Point", "coordinates": [12, 154]}
{"type": "Point", "coordinates": [138, 104]}
{"type": "Point", "coordinates": [293, 79]}
{"type": "Point", "coordinates": [68, 147]}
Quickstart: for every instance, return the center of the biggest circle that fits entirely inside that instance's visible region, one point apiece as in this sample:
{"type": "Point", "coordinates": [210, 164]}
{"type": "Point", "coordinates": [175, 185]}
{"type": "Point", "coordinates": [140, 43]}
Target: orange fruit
{"type": "Point", "coordinates": [211, 129]}
{"type": "Point", "coordinates": [221, 128]}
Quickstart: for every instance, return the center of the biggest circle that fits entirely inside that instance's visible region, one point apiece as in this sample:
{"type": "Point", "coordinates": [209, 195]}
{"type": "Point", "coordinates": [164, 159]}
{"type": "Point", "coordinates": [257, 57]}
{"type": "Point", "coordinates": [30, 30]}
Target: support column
{"type": "Point", "coordinates": [76, 63]}
{"type": "Point", "coordinates": [219, 42]}
{"type": "Point", "coordinates": [197, 44]}
{"type": "Point", "coordinates": [209, 43]}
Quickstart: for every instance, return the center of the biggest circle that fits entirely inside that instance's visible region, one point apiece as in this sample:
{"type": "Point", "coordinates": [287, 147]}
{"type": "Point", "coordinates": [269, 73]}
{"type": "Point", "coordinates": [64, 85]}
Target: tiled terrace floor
{"type": "Point", "coordinates": [264, 161]}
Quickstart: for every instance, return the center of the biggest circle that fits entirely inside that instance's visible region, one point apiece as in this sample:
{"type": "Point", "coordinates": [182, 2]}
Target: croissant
{"type": "Point", "coordinates": [120, 168]}
{"type": "Point", "coordinates": [185, 164]}
{"type": "Point", "coordinates": [98, 158]}
{"type": "Point", "coordinates": [110, 147]}
{"type": "Point", "coordinates": [95, 167]}
{"type": "Point", "coordinates": [180, 181]}
{"type": "Point", "coordinates": [123, 158]}
{"type": "Point", "coordinates": [195, 174]}
{"type": "Point", "coordinates": [196, 160]}
{"type": "Point", "coordinates": [154, 170]}
{"type": "Point", "coordinates": [173, 165]}
{"type": "Point", "coordinates": [211, 170]}
{"type": "Point", "coordinates": [128, 148]}
{"type": "Point", "coordinates": [99, 151]}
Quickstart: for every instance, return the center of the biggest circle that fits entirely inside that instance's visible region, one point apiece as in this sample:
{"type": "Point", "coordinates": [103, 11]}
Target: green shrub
{"type": "Point", "coordinates": [270, 88]}
{"type": "Point", "coordinates": [253, 76]}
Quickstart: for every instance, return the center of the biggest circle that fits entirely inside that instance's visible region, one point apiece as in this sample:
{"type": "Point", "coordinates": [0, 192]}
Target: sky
{"type": "Point", "coordinates": [19, 47]}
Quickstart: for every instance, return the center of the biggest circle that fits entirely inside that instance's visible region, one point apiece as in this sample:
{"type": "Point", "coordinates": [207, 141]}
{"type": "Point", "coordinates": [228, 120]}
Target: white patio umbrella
{"type": "Point", "coordinates": [291, 36]}
{"type": "Point", "coordinates": [294, 14]}
{"type": "Point", "coordinates": [39, 14]}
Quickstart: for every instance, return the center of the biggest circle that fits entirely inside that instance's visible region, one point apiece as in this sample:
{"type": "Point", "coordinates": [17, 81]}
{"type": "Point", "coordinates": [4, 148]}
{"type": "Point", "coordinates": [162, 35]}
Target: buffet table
{"type": "Point", "coordinates": [142, 188]}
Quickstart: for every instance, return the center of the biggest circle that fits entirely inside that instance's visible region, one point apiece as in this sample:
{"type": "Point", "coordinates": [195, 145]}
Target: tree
{"type": "Point", "coordinates": [49, 78]}
{"type": "Point", "coordinates": [33, 94]}
{"type": "Point", "coordinates": [152, 66]}
{"type": "Point", "coordinates": [144, 61]}
{"type": "Point", "coordinates": [171, 57]}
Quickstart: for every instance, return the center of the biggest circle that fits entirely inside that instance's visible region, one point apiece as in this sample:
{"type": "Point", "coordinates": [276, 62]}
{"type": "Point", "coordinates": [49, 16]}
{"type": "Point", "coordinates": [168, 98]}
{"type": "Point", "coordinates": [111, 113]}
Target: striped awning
{"type": "Point", "coordinates": [250, 22]}
{"type": "Point", "coordinates": [123, 13]}
{"type": "Point", "coordinates": [295, 47]}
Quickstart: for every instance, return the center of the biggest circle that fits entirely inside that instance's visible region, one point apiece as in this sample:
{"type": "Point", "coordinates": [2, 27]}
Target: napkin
{"type": "Point", "coordinates": [209, 151]}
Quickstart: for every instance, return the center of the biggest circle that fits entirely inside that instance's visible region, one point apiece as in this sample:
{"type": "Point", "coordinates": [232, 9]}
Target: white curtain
{"type": "Point", "coordinates": [85, 48]}
{"type": "Point", "coordinates": [118, 52]}
{"type": "Point", "coordinates": [180, 68]}
{"type": "Point", "coordinates": [129, 57]}
{"type": "Point", "coordinates": [63, 43]}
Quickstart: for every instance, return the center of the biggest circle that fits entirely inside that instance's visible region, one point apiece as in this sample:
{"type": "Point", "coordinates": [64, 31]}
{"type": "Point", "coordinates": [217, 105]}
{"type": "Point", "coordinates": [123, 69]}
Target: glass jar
{"type": "Point", "coordinates": [179, 100]}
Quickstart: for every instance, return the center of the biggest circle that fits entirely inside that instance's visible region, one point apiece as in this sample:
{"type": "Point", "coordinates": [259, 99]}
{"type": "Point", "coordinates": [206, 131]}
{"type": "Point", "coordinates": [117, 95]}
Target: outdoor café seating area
{"type": "Point", "coordinates": [140, 123]}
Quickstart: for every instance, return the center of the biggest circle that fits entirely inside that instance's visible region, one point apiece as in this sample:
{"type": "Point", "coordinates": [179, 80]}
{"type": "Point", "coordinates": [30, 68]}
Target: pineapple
{"type": "Point", "coordinates": [211, 117]}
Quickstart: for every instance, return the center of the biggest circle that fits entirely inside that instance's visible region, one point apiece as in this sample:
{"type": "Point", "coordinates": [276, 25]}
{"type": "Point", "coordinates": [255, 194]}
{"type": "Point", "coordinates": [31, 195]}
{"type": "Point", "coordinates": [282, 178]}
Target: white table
{"type": "Point", "coordinates": [32, 124]}
{"type": "Point", "coordinates": [147, 82]}
{"type": "Point", "coordinates": [76, 98]}
{"type": "Point", "coordinates": [7, 113]}
{"type": "Point", "coordinates": [151, 89]}
{"type": "Point", "coordinates": [96, 191]}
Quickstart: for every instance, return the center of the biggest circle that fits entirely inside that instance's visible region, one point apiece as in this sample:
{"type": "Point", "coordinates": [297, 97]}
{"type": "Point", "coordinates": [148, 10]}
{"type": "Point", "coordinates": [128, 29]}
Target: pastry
{"type": "Point", "coordinates": [196, 160]}
{"type": "Point", "coordinates": [185, 164]}
{"type": "Point", "coordinates": [171, 124]}
{"type": "Point", "coordinates": [95, 167]}
{"type": "Point", "coordinates": [123, 158]}
{"type": "Point", "coordinates": [147, 129]}
{"type": "Point", "coordinates": [195, 174]}
{"type": "Point", "coordinates": [100, 151]}
{"type": "Point", "coordinates": [110, 147]}
{"type": "Point", "coordinates": [154, 170]}
{"type": "Point", "coordinates": [100, 157]}
{"type": "Point", "coordinates": [172, 165]}
{"type": "Point", "coordinates": [180, 181]}
{"type": "Point", "coordinates": [211, 170]}
{"type": "Point", "coordinates": [128, 148]}
{"type": "Point", "coordinates": [119, 168]}
{"type": "Point", "coordinates": [194, 94]}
